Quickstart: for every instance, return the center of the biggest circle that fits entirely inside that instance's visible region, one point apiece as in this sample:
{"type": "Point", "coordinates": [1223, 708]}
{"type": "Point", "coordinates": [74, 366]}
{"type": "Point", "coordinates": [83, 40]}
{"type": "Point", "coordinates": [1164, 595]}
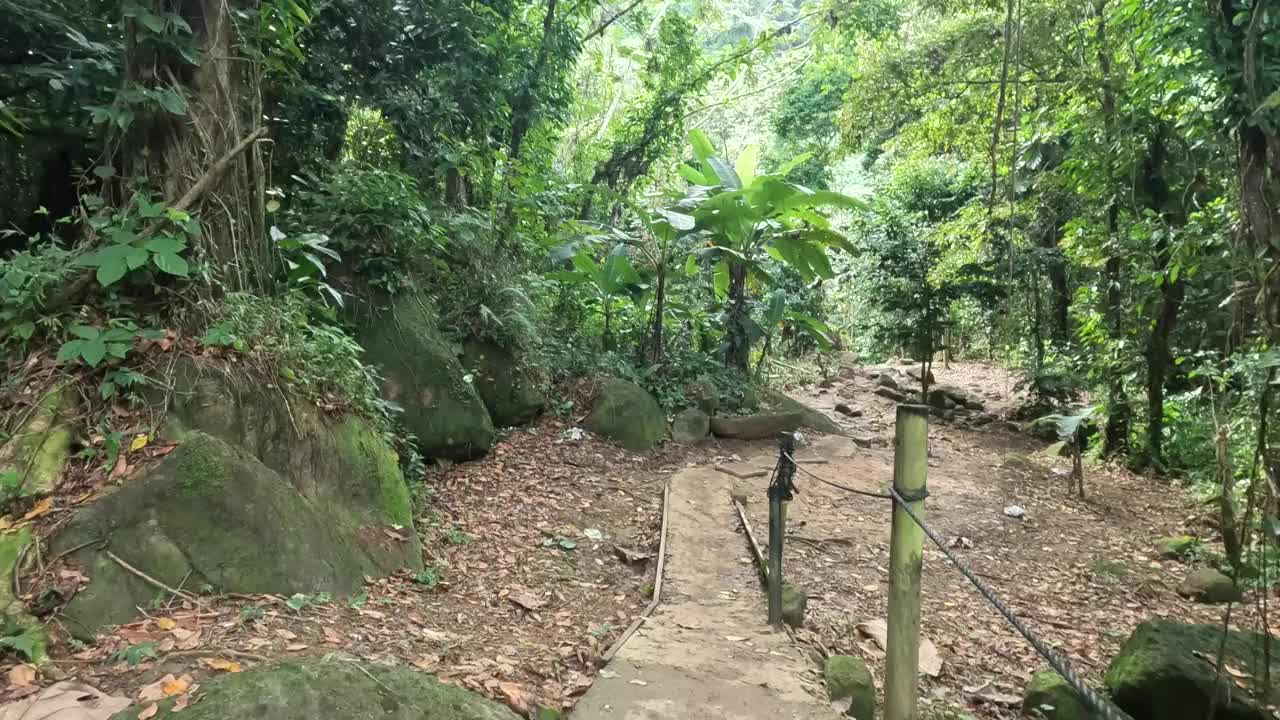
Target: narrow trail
{"type": "Point", "coordinates": [706, 652]}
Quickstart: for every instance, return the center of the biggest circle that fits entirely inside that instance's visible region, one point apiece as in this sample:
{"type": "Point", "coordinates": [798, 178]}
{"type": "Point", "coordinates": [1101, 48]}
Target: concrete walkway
{"type": "Point", "coordinates": [706, 652]}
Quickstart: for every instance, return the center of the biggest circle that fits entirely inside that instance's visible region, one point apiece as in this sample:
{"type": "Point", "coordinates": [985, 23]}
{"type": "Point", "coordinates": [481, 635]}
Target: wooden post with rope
{"type": "Point", "coordinates": [780, 490]}
{"type": "Point", "coordinates": [906, 555]}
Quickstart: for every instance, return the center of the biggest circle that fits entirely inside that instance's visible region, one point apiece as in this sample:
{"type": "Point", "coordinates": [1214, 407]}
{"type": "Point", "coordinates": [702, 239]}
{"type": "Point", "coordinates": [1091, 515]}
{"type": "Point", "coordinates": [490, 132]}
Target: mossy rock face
{"type": "Point", "coordinates": [627, 413]}
{"type": "Point", "coordinates": [755, 427]}
{"type": "Point", "coordinates": [40, 446]}
{"type": "Point", "coordinates": [1161, 673]}
{"type": "Point", "coordinates": [704, 396]}
{"type": "Point", "coordinates": [511, 395]}
{"type": "Point", "coordinates": [211, 513]}
{"type": "Point", "coordinates": [344, 467]}
{"type": "Point", "coordinates": [1207, 585]}
{"type": "Point", "coordinates": [337, 689]}
{"type": "Point", "coordinates": [1176, 547]}
{"type": "Point", "coordinates": [1051, 697]}
{"type": "Point", "coordinates": [422, 374]}
{"type": "Point", "coordinates": [809, 418]}
{"type": "Point", "coordinates": [848, 679]}
{"type": "Point", "coordinates": [690, 427]}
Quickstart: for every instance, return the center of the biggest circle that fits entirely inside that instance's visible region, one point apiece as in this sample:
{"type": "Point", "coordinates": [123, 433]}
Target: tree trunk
{"type": "Point", "coordinates": [172, 153]}
{"type": "Point", "coordinates": [737, 353]}
{"type": "Point", "coordinates": [1119, 414]}
{"type": "Point", "coordinates": [659, 309]}
{"type": "Point", "coordinates": [606, 338]}
{"type": "Point", "coordinates": [1171, 296]}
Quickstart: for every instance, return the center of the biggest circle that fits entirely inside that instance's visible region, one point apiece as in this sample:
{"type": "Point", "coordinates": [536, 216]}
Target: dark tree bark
{"type": "Point", "coordinates": [659, 310]}
{"type": "Point", "coordinates": [173, 153]}
{"type": "Point", "coordinates": [1119, 414]}
{"type": "Point", "coordinates": [737, 352]}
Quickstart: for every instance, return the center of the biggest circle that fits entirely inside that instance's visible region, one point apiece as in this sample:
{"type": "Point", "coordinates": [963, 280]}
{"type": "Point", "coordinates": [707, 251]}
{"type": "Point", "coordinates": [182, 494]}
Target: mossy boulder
{"type": "Point", "coordinates": [809, 417]}
{"type": "Point", "coordinates": [794, 603]}
{"type": "Point", "coordinates": [1051, 697]}
{"type": "Point", "coordinates": [14, 618]}
{"type": "Point", "coordinates": [1207, 585]}
{"type": "Point", "coordinates": [704, 396]}
{"type": "Point", "coordinates": [422, 374]}
{"type": "Point", "coordinates": [849, 681]}
{"type": "Point", "coordinates": [31, 461]}
{"type": "Point", "coordinates": [511, 395]}
{"type": "Point", "coordinates": [211, 513]}
{"type": "Point", "coordinates": [335, 689]}
{"type": "Point", "coordinates": [627, 413]}
{"type": "Point", "coordinates": [1165, 671]}
{"type": "Point", "coordinates": [755, 427]}
{"type": "Point", "coordinates": [1176, 547]}
{"type": "Point", "coordinates": [690, 427]}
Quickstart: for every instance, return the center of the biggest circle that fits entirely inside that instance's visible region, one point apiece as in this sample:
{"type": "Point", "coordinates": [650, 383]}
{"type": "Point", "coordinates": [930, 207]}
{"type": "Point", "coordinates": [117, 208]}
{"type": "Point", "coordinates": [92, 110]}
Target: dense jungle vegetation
{"type": "Point", "coordinates": [673, 192]}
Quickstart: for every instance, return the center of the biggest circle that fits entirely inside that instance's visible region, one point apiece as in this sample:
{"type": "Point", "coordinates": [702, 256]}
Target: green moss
{"type": "Point", "coordinates": [336, 688]}
{"type": "Point", "coordinates": [11, 546]}
{"type": "Point", "coordinates": [39, 449]}
{"type": "Point", "coordinates": [1178, 546]}
{"type": "Point", "coordinates": [1051, 697]}
{"type": "Point", "coordinates": [422, 374]}
{"type": "Point", "coordinates": [849, 679]}
{"type": "Point", "coordinates": [809, 417]}
{"type": "Point", "coordinates": [510, 394]}
{"type": "Point", "coordinates": [794, 603]}
{"type": "Point", "coordinates": [1160, 673]}
{"type": "Point", "coordinates": [202, 467]}
{"type": "Point", "coordinates": [625, 412]}
{"type": "Point", "coordinates": [359, 444]}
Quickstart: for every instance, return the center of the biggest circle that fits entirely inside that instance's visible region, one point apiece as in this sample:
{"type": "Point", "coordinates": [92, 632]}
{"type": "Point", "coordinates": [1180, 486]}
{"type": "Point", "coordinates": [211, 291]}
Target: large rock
{"type": "Point", "coordinates": [1051, 697]}
{"type": "Point", "coordinates": [849, 681]}
{"type": "Point", "coordinates": [32, 460]}
{"type": "Point", "coordinates": [336, 689]}
{"type": "Point", "coordinates": [704, 396]}
{"type": "Point", "coordinates": [627, 413]}
{"type": "Point", "coordinates": [809, 417]}
{"type": "Point", "coordinates": [754, 427]}
{"type": "Point", "coordinates": [1207, 585]}
{"type": "Point", "coordinates": [1165, 671]}
{"type": "Point", "coordinates": [690, 427]}
{"type": "Point", "coordinates": [261, 496]}
{"type": "Point", "coordinates": [511, 396]}
{"type": "Point", "coordinates": [421, 373]}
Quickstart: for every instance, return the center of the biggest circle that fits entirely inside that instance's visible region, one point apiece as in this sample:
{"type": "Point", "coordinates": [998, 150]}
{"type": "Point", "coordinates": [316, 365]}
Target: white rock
{"type": "Point", "coordinates": [1015, 511]}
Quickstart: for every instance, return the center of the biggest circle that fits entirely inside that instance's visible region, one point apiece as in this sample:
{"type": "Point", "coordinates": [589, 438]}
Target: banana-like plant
{"type": "Point", "coordinates": [608, 278]}
{"type": "Point", "coordinates": [746, 216]}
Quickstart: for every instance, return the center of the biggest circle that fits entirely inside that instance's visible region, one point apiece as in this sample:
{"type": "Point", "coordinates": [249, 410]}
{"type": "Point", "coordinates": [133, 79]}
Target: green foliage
{"type": "Point", "coordinates": [306, 351]}
{"type": "Point", "coordinates": [300, 601]}
{"type": "Point", "coordinates": [135, 654]}
{"type": "Point", "coordinates": [370, 140]}
{"type": "Point", "coordinates": [428, 578]}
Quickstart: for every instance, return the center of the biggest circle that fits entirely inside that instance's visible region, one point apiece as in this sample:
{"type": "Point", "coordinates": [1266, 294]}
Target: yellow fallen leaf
{"type": "Point", "coordinates": [176, 686]}
{"type": "Point", "coordinates": [149, 712]}
{"type": "Point", "coordinates": [6, 522]}
{"type": "Point", "coordinates": [41, 508]}
{"type": "Point", "coordinates": [166, 624]}
{"type": "Point", "coordinates": [139, 442]}
{"type": "Point", "coordinates": [220, 664]}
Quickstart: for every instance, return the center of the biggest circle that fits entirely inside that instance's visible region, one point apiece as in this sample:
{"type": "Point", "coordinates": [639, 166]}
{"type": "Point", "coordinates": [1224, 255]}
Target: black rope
{"type": "Point", "coordinates": [782, 486]}
{"type": "Point", "coordinates": [787, 465]}
{"type": "Point", "coordinates": [1059, 663]}
{"type": "Point", "coordinates": [838, 486]}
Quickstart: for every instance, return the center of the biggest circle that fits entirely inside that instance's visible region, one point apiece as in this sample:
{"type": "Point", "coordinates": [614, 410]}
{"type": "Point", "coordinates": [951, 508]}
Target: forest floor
{"type": "Point", "coordinates": [544, 551]}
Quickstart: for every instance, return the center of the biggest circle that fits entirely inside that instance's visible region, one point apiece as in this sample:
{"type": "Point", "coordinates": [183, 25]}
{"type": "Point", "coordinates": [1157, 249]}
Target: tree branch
{"type": "Point", "coordinates": [605, 25]}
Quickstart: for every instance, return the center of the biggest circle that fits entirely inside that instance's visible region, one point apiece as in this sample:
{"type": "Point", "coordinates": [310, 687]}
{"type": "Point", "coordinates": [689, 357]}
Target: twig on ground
{"type": "Point", "coordinates": [211, 652]}
{"type": "Point", "coordinates": [148, 578]}
{"type": "Point", "coordinates": [657, 582]}
{"type": "Point", "coordinates": [741, 476]}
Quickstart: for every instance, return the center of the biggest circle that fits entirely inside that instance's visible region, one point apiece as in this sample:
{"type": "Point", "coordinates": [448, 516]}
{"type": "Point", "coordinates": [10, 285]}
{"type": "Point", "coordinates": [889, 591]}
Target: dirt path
{"type": "Point", "coordinates": [707, 651]}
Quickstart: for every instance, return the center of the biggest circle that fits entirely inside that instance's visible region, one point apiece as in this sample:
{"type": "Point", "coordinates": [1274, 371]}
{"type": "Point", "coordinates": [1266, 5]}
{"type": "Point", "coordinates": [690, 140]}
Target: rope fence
{"type": "Point", "coordinates": [785, 471]}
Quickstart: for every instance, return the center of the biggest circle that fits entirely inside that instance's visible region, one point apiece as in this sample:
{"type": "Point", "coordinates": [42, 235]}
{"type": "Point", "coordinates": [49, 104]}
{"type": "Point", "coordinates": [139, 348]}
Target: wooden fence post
{"type": "Point", "coordinates": [779, 493]}
{"type": "Point", "coordinates": [906, 554]}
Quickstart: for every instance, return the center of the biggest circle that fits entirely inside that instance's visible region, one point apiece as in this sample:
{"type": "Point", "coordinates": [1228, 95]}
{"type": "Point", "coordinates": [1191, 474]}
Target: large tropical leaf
{"type": "Point", "coordinates": [820, 331]}
{"type": "Point", "coordinates": [746, 163]}
{"type": "Point", "coordinates": [821, 198]}
{"type": "Point", "coordinates": [694, 176]}
{"type": "Point", "coordinates": [702, 148]}
{"type": "Point", "coordinates": [728, 176]}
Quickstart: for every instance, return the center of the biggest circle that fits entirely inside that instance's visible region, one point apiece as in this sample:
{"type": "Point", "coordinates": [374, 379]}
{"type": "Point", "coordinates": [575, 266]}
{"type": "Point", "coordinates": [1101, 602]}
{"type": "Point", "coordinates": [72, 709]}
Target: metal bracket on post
{"type": "Point", "coordinates": [781, 489]}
